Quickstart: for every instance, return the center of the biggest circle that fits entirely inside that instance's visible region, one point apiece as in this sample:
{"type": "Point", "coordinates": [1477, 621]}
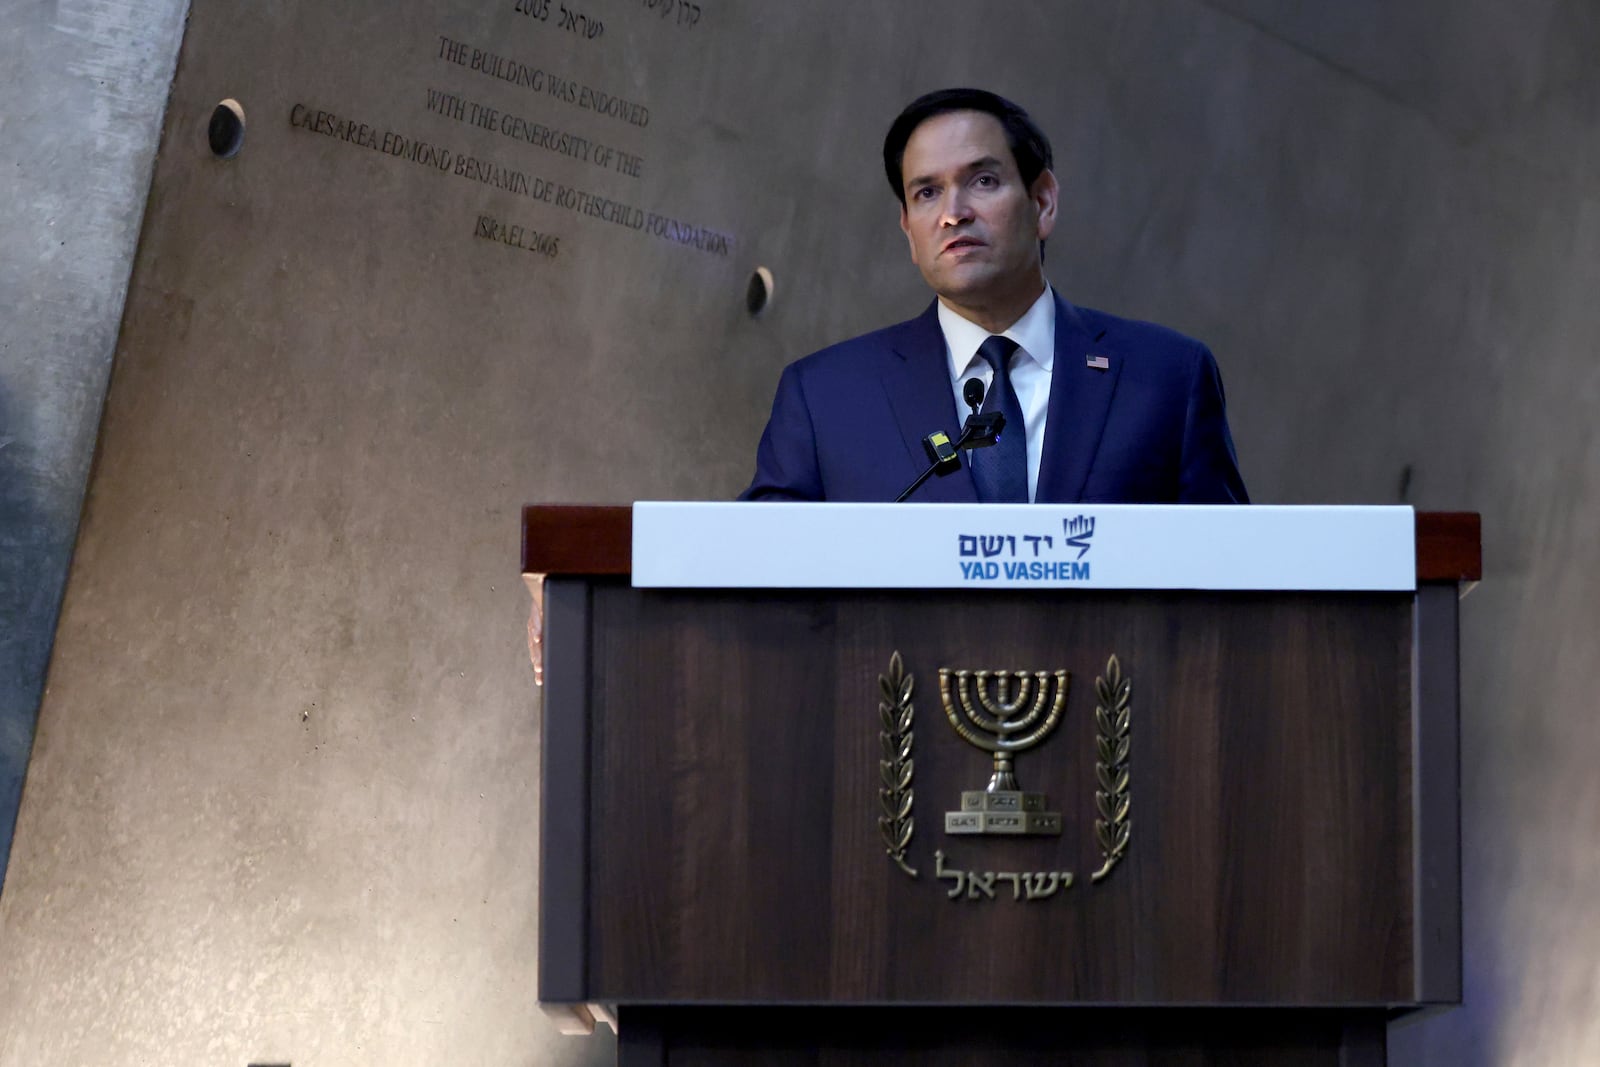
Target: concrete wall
{"type": "Point", "coordinates": [281, 802]}
{"type": "Point", "coordinates": [84, 84]}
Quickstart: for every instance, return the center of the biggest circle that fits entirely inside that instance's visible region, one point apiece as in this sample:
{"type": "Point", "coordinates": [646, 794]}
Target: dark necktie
{"type": "Point", "coordinates": [1001, 470]}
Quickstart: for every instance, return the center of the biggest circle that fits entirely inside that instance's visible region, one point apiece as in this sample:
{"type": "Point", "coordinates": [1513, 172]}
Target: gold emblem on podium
{"type": "Point", "coordinates": [1003, 713]}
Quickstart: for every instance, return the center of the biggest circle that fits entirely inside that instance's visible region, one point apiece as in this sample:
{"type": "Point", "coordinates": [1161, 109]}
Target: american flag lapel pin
{"type": "Point", "coordinates": [1098, 362]}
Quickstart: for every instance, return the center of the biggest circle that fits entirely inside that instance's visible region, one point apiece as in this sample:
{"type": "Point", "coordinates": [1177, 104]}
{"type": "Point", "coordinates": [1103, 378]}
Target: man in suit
{"type": "Point", "coordinates": [1098, 408]}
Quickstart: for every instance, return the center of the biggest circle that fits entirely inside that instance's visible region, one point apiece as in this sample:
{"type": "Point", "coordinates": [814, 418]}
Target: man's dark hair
{"type": "Point", "coordinates": [1029, 146]}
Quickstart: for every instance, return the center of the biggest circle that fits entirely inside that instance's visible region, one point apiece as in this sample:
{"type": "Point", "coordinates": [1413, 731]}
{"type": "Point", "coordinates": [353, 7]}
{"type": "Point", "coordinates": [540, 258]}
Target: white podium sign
{"type": "Point", "coordinates": [1022, 546]}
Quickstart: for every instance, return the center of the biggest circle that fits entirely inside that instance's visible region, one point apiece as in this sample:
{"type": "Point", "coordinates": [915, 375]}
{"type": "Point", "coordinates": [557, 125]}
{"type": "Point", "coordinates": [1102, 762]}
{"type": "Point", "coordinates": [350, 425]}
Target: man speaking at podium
{"type": "Point", "coordinates": [1097, 408]}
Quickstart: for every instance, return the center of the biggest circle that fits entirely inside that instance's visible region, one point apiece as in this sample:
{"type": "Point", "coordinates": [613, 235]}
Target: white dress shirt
{"type": "Point", "coordinates": [1035, 335]}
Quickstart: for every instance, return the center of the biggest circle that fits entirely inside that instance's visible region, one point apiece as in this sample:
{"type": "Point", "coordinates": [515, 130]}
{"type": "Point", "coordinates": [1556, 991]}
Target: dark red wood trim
{"type": "Point", "coordinates": [598, 539]}
{"type": "Point", "coordinates": [1449, 546]}
{"type": "Point", "coordinates": [577, 539]}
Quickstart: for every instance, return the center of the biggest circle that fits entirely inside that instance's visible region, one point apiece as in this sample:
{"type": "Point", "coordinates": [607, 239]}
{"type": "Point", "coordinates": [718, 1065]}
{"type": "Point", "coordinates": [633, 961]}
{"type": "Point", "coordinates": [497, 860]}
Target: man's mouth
{"type": "Point", "coordinates": [961, 244]}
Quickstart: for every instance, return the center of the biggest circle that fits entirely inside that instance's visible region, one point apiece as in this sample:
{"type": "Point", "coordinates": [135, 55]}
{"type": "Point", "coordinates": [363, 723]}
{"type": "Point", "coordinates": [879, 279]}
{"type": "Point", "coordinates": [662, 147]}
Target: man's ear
{"type": "Point", "coordinates": [905, 228]}
{"type": "Point", "coordinates": [1045, 195]}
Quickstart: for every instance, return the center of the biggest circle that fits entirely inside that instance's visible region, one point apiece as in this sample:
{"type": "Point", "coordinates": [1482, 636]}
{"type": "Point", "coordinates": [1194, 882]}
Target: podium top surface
{"type": "Point", "coordinates": [568, 539]}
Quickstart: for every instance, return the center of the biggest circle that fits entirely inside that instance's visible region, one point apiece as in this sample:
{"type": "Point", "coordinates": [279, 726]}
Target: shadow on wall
{"type": "Point", "coordinates": [33, 560]}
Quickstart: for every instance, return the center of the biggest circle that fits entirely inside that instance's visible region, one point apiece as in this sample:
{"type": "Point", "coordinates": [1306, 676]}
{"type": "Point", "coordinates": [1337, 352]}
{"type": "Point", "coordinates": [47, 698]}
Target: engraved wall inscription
{"type": "Point", "coordinates": [503, 142]}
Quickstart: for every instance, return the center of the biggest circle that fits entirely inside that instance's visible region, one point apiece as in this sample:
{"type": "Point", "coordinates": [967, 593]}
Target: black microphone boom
{"type": "Point", "coordinates": [944, 458]}
{"type": "Point", "coordinates": [981, 431]}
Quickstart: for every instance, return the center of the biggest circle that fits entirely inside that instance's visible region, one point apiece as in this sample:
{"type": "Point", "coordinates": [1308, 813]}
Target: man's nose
{"type": "Point", "coordinates": [955, 210]}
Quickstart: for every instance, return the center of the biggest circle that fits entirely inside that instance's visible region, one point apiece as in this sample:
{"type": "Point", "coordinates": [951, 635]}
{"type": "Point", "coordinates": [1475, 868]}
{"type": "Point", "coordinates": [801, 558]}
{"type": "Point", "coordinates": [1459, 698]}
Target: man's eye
{"type": "Point", "coordinates": [986, 179]}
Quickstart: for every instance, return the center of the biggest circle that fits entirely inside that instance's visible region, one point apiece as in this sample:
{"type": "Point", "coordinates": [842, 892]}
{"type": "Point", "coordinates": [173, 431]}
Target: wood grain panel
{"type": "Point", "coordinates": [735, 854]}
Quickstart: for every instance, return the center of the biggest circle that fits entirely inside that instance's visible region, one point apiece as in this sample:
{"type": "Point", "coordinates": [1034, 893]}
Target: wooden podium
{"type": "Point", "coordinates": [747, 792]}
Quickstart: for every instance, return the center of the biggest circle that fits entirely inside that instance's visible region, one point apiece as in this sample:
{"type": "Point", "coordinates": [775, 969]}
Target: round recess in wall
{"type": "Point", "coordinates": [225, 131]}
{"type": "Point", "coordinates": [758, 294]}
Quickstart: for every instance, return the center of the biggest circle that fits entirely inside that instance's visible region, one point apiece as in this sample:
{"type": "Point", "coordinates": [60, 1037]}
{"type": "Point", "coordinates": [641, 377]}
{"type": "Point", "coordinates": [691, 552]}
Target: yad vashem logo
{"type": "Point", "coordinates": [1004, 713]}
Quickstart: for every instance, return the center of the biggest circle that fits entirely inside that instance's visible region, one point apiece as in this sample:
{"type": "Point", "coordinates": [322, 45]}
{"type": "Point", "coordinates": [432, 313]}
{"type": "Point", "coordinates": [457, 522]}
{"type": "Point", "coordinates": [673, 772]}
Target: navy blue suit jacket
{"type": "Point", "coordinates": [848, 422]}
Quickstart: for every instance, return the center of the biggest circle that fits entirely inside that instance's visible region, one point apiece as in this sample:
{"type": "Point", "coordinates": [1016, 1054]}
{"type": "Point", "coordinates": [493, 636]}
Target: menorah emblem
{"type": "Point", "coordinates": [1004, 713]}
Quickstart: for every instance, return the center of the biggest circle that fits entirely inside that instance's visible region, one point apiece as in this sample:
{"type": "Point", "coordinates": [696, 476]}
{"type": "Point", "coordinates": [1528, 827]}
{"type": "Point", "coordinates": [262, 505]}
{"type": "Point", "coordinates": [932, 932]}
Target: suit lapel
{"type": "Point", "coordinates": [1080, 399]}
{"type": "Point", "coordinates": [917, 379]}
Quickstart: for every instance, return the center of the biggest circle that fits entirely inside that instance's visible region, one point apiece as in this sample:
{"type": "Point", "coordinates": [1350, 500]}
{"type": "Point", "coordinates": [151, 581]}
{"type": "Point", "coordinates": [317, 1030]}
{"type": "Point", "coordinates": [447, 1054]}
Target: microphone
{"type": "Point", "coordinates": [982, 429]}
{"type": "Point", "coordinates": [972, 393]}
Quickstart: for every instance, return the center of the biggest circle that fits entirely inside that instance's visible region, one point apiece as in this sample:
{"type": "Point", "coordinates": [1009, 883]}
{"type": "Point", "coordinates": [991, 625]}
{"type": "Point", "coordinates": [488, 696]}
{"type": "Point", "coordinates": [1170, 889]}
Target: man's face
{"type": "Point", "coordinates": [974, 228]}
